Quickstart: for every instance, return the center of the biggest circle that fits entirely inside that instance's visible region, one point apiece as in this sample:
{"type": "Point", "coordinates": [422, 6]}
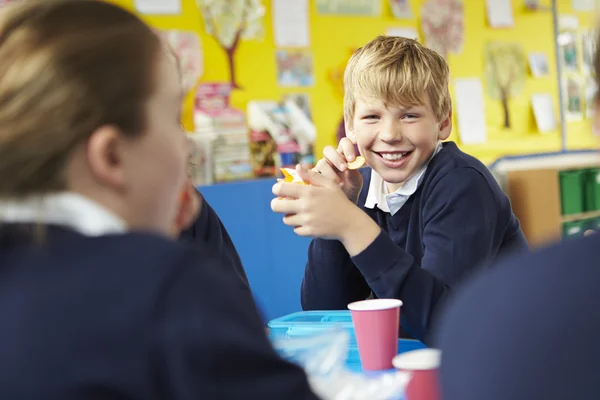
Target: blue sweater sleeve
{"type": "Point", "coordinates": [331, 280]}
{"type": "Point", "coordinates": [208, 229]}
{"type": "Point", "coordinates": [459, 234]}
{"type": "Point", "coordinates": [210, 343]}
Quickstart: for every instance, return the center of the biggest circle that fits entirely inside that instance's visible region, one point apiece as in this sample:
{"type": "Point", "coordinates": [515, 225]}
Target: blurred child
{"type": "Point", "coordinates": [421, 217]}
{"type": "Point", "coordinates": [97, 300]}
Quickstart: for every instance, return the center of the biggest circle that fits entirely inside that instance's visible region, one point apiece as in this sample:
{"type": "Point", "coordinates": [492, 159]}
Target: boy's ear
{"type": "Point", "coordinates": [445, 127]}
{"type": "Point", "coordinates": [349, 131]}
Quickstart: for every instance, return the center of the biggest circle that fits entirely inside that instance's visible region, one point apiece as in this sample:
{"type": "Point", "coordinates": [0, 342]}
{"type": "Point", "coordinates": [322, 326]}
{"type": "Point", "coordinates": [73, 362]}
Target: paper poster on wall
{"type": "Point", "coordinates": [499, 13]}
{"type": "Point", "coordinates": [410, 33]}
{"type": "Point", "coordinates": [583, 5]}
{"type": "Point", "coordinates": [574, 97]}
{"type": "Point", "coordinates": [443, 25]}
{"type": "Point", "coordinates": [367, 8]}
{"type": "Point", "coordinates": [294, 68]}
{"type": "Point", "coordinates": [401, 9]}
{"type": "Point", "coordinates": [538, 64]}
{"type": "Point", "coordinates": [290, 23]}
{"type": "Point", "coordinates": [188, 49]}
{"type": "Point", "coordinates": [590, 96]}
{"type": "Point", "coordinates": [543, 111]}
{"type": "Point", "coordinates": [158, 6]}
{"type": "Point", "coordinates": [588, 49]}
{"type": "Point", "coordinates": [470, 110]}
{"type": "Point", "coordinates": [228, 21]}
{"type": "Point", "coordinates": [505, 71]}
{"type": "Point", "coordinates": [567, 42]}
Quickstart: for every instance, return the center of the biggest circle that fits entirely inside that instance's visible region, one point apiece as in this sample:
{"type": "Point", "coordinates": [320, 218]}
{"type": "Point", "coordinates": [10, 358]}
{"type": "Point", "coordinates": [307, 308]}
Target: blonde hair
{"type": "Point", "coordinates": [397, 71]}
{"type": "Point", "coordinates": [67, 67]}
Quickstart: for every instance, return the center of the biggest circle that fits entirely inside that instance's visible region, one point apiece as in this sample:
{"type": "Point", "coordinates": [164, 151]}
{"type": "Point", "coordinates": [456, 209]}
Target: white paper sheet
{"type": "Point", "coordinates": [158, 6]}
{"type": "Point", "coordinates": [543, 110]}
{"type": "Point", "coordinates": [290, 23]}
{"type": "Point", "coordinates": [499, 13]}
{"type": "Point", "coordinates": [583, 5]}
{"type": "Point", "coordinates": [470, 110]}
{"type": "Point", "coordinates": [410, 33]}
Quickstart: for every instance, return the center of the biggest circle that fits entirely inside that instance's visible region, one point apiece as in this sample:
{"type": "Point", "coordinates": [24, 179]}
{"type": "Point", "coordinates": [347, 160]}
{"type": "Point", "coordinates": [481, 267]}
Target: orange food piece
{"type": "Point", "coordinates": [356, 163]}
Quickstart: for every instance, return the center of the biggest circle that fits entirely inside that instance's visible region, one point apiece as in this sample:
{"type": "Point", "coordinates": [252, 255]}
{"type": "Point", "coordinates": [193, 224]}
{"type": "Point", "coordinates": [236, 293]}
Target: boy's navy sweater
{"type": "Point", "coordinates": [528, 329]}
{"type": "Point", "coordinates": [132, 316]}
{"type": "Point", "coordinates": [456, 221]}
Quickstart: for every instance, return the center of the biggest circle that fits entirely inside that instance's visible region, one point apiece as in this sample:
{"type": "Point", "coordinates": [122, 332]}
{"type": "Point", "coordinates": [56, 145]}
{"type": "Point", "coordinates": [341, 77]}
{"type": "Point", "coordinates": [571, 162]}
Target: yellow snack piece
{"type": "Point", "coordinates": [357, 163]}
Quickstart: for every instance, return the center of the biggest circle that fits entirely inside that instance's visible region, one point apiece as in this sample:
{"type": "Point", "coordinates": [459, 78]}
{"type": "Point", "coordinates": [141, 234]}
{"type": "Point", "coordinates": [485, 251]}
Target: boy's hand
{"type": "Point", "coordinates": [322, 210]}
{"type": "Point", "coordinates": [333, 166]}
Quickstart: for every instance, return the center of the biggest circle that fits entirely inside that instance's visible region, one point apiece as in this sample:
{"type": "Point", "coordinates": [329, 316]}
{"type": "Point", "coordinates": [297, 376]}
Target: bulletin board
{"type": "Point", "coordinates": [332, 37]}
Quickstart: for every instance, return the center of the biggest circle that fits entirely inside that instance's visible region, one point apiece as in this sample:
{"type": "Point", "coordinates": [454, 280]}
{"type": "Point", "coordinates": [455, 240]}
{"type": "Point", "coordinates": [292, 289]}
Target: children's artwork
{"type": "Point", "coordinates": [568, 51]}
{"type": "Point", "coordinates": [573, 98]}
{"type": "Point", "coordinates": [188, 49]}
{"type": "Point", "coordinates": [443, 25]}
{"type": "Point", "coordinates": [401, 9]}
{"type": "Point", "coordinates": [591, 90]}
{"type": "Point", "coordinates": [499, 13]}
{"type": "Point", "coordinates": [369, 8]}
{"type": "Point", "coordinates": [505, 68]}
{"type": "Point", "coordinates": [588, 49]}
{"type": "Point", "coordinates": [294, 68]}
{"type": "Point", "coordinates": [538, 64]}
{"type": "Point", "coordinates": [230, 21]}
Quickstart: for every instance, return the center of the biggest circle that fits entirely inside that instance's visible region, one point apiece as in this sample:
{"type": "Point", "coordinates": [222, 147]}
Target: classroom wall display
{"type": "Point", "coordinates": [230, 21]}
{"type": "Point", "coordinates": [443, 25]}
{"type": "Point", "coordinates": [333, 36]}
{"type": "Point", "coordinates": [505, 73]}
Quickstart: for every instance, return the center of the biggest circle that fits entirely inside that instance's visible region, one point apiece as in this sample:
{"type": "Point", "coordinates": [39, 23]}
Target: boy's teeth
{"type": "Point", "coordinates": [393, 156]}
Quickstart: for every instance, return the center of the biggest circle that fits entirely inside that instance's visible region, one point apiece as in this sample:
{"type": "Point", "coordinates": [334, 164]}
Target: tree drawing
{"type": "Point", "coordinates": [505, 70]}
{"type": "Point", "coordinates": [443, 25]}
{"type": "Point", "coordinates": [230, 21]}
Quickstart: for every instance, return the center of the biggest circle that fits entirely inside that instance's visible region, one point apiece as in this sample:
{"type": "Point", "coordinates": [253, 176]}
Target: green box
{"type": "Point", "coordinates": [592, 189]}
{"type": "Point", "coordinates": [574, 229]}
{"type": "Point", "coordinates": [571, 191]}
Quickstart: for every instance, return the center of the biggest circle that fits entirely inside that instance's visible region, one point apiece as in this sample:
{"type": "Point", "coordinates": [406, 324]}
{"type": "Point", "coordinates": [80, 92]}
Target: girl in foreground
{"type": "Point", "coordinates": [97, 300]}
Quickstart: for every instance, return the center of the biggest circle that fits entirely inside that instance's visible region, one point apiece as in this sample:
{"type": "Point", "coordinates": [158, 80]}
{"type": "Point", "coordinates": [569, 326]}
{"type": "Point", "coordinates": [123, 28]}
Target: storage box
{"type": "Point", "coordinates": [571, 191]}
{"type": "Point", "coordinates": [592, 189]}
{"type": "Point", "coordinates": [307, 323]}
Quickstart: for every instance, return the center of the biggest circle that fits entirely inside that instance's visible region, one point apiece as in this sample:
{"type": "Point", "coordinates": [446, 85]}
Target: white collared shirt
{"type": "Point", "coordinates": [66, 209]}
{"type": "Point", "coordinates": [394, 201]}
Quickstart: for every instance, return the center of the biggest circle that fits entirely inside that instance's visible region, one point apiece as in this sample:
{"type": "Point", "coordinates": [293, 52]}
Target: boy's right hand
{"type": "Point", "coordinates": [334, 166]}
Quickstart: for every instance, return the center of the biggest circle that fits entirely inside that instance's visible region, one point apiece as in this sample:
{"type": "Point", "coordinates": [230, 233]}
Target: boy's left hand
{"type": "Point", "coordinates": [320, 209]}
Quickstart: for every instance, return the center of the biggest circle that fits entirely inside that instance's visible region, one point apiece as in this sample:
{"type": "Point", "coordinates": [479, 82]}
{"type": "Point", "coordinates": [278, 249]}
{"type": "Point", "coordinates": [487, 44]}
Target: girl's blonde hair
{"type": "Point", "coordinates": [67, 67]}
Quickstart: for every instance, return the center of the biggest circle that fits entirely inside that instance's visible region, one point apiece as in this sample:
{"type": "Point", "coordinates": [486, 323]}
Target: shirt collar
{"type": "Point", "coordinates": [392, 202]}
{"type": "Point", "coordinates": [66, 209]}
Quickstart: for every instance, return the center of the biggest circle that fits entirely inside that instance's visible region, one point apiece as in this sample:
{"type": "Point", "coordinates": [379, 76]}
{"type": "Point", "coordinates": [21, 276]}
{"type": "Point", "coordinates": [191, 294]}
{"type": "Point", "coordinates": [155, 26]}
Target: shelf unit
{"type": "Point", "coordinates": [535, 196]}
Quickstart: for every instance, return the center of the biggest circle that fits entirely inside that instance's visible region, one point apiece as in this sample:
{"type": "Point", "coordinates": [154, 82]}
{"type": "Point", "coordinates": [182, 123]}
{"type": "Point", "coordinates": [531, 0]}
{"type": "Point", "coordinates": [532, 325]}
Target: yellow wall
{"type": "Point", "coordinates": [332, 37]}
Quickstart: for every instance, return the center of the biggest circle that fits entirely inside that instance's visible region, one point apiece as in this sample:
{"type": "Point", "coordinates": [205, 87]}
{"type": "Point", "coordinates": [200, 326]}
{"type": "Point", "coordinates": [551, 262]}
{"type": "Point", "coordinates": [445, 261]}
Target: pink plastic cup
{"type": "Point", "coordinates": [376, 323]}
{"type": "Point", "coordinates": [423, 366]}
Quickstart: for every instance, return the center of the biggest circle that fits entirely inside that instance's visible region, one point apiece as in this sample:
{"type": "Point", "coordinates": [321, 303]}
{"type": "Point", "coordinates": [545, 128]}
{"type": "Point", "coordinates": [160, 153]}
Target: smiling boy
{"type": "Point", "coordinates": [421, 217]}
